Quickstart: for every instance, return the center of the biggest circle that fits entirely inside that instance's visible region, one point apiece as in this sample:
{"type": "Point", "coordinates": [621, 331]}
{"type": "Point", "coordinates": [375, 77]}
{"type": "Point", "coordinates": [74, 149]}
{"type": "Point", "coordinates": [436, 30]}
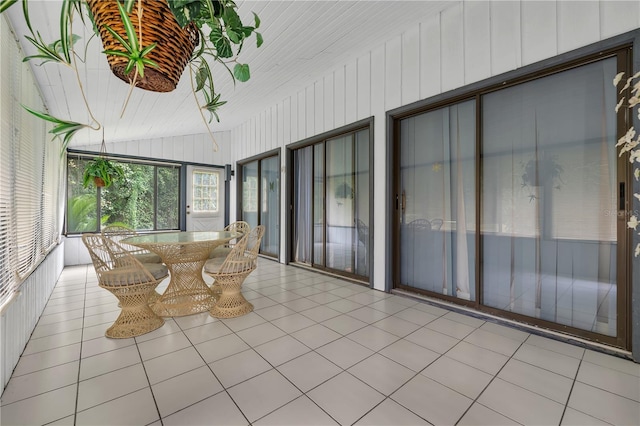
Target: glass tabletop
{"type": "Point", "coordinates": [181, 237]}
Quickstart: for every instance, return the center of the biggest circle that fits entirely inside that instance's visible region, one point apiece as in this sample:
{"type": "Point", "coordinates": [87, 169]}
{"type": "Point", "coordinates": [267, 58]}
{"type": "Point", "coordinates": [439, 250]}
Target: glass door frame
{"type": "Point", "coordinates": [622, 51]}
{"type": "Point", "coordinates": [239, 191]}
{"type": "Point", "coordinates": [365, 124]}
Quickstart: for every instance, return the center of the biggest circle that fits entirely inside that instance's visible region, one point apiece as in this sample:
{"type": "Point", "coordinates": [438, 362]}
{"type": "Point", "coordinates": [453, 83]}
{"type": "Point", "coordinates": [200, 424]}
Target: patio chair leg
{"type": "Point", "coordinates": [136, 317]}
{"type": "Point", "coordinates": [231, 303]}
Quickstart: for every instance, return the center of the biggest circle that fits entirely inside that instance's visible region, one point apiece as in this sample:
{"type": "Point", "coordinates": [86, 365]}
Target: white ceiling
{"type": "Point", "coordinates": [303, 39]}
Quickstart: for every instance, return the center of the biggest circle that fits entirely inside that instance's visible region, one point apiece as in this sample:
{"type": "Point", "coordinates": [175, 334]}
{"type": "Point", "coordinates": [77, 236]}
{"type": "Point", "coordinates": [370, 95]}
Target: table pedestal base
{"type": "Point", "coordinates": [187, 293]}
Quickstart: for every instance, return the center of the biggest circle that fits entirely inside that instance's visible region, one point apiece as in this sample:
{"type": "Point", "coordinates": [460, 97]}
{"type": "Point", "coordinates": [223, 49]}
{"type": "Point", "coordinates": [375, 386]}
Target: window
{"type": "Point", "coordinates": [205, 191]}
{"type": "Point", "coordinates": [147, 199]}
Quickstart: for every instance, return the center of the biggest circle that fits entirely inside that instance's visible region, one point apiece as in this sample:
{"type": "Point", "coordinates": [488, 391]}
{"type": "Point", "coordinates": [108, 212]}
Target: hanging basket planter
{"type": "Point", "coordinates": [174, 44]}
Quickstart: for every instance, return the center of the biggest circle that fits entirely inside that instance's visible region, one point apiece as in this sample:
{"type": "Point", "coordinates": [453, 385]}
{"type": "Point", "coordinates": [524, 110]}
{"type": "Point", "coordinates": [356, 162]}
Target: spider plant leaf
{"type": "Point", "coordinates": [6, 4]}
{"type": "Point", "coordinates": [122, 41]}
{"type": "Point", "coordinates": [117, 53]}
{"type": "Point", "coordinates": [128, 28]}
{"type": "Point", "coordinates": [65, 21]}
{"type": "Point", "coordinates": [148, 49]}
{"type": "Point", "coordinates": [259, 40]}
{"type": "Point", "coordinates": [128, 5]}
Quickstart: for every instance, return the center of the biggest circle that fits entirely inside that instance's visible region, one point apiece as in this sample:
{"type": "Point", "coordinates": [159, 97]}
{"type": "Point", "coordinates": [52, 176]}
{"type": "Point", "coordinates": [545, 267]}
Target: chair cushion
{"type": "Point", "coordinates": [213, 265]}
{"type": "Point", "coordinates": [148, 258]}
{"type": "Point", "coordinates": [220, 251]}
{"type": "Point", "coordinates": [128, 275]}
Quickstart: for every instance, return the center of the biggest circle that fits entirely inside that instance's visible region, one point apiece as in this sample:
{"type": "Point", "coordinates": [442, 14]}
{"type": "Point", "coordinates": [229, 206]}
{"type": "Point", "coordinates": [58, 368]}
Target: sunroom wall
{"type": "Point", "coordinates": [466, 43]}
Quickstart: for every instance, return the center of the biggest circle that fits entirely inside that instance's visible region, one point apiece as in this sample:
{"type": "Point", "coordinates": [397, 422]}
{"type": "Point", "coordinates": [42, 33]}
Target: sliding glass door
{"type": "Point", "coordinates": [331, 204]}
{"type": "Point", "coordinates": [513, 201]}
{"type": "Point", "coordinates": [260, 200]}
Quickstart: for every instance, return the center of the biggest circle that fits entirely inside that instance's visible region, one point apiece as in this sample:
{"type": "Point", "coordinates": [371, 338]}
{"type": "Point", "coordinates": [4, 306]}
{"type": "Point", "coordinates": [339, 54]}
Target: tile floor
{"type": "Point", "coordinates": [316, 351]}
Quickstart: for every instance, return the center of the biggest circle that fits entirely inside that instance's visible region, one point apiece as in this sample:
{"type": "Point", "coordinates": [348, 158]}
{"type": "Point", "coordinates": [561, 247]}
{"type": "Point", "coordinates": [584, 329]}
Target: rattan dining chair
{"type": "Point", "coordinates": [130, 281]}
{"type": "Point", "coordinates": [118, 233]}
{"type": "Point", "coordinates": [230, 274]}
{"type": "Point", "coordinates": [224, 250]}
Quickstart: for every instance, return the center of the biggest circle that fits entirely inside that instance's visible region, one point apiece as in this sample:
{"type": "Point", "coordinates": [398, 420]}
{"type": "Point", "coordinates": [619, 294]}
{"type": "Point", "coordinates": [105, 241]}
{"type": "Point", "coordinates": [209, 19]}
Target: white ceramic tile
{"type": "Point", "coordinates": [32, 384]}
{"type": "Point", "coordinates": [555, 346]}
{"type": "Point", "coordinates": [412, 356]}
{"type": "Point", "coordinates": [316, 336]}
{"type": "Point", "coordinates": [396, 326]}
{"type": "Point", "coordinates": [344, 324]}
{"type": "Point", "coordinates": [106, 387]}
{"type": "Point", "coordinates": [433, 310]}
{"type": "Point", "coordinates": [432, 340]}
{"type": "Point", "coordinates": [184, 390]}
{"type": "Point", "coordinates": [274, 312]}
{"type": "Point", "coordinates": [492, 341]}
{"type": "Point", "coordinates": [344, 305]}
{"type": "Point", "coordinates": [519, 404]}
{"type": "Point", "coordinates": [505, 331]}
{"type": "Point", "coordinates": [480, 358]}
{"type": "Point", "coordinates": [381, 373]}
{"type": "Point", "coordinates": [41, 409]}
{"type": "Point", "coordinates": [614, 381]}
{"type": "Point", "coordinates": [281, 350]}
{"type": "Point", "coordinates": [169, 327]}
{"type": "Point", "coordinates": [213, 350]}
{"type": "Point", "coordinates": [173, 364]}
{"type": "Point", "coordinates": [293, 323]}
{"type": "Point", "coordinates": [320, 313]}
{"type": "Point", "coordinates": [263, 394]}
{"type": "Point", "coordinates": [460, 377]}
{"type": "Point", "coordinates": [416, 316]}
{"type": "Point", "coordinates": [299, 412]}
{"type": "Point", "coordinates": [390, 413]}
{"type": "Point", "coordinates": [246, 321]}
{"type": "Point", "coordinates": [53, 341]}
{"type": "Point", "coordinates": [309, 370]}
{"type": "Point", "coordinates": [345, 398]}
{"type": "Point", "coordinates": [549, 360]}
{"type": "Point", "coordinates": [209, 331]}
{"type": "Point", "coordinates": [612, 362]}
{"type": "Point", "coordinates": [576, 418]}
{"type": "Point", "coordinates": [373, 338]}
{"type": "Point", "coordinates": [479, 415]}
{"type": "Point", "coordinates": [285, 296]}
{"type": "Point", "coordinates": [442, 406]}
{"type": "Point", "coordinates": [218, 409]}
{"type": "Point", "coordinates": [344, 352]}
{"type": "Point", "coordinates": [189, 321]}
{"type": "Point", "coordinates": [368, 298]}
{"type": "Point", "coordinates": [103, 344]}
{"type": "Point", "coordinates": [163, 345]}
{"type": "Point", "coordinates": [43, 330]}
{"type": "Point", "coordinates": [464, 319]}
{"type": "Point", "coordinates": [323, 298]}
{"type": "Point", "coordinates": [260, 334]}
{"type": "Point", "coordinates": [239, 367]}
{"type": "Point", "coordinates": [41, 360]}
{"type": "Point", "coordinates": [137, 408]}
{"type": "Point", "coordinates": [300, 304]}
{"type": "Point", "coordinates": [261, 302]}
{"type": "Point", "coordinates": [451, 328]}
{"type": "Point", "coordinates": [368, 315]}
{"type": "Point", "coordinates": [604, 405]}
{"type": "Point", "coordinates": [543, 382]}
{"type": "Point", "coordinates": [109, 361]}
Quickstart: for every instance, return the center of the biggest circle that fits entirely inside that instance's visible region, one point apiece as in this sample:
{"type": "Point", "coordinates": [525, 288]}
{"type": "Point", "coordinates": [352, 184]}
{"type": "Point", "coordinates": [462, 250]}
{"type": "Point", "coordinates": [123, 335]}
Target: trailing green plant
{"type": "Point", "coordinates": [101, 168]}
{"type": "Point", "coordinates": [222, 36]}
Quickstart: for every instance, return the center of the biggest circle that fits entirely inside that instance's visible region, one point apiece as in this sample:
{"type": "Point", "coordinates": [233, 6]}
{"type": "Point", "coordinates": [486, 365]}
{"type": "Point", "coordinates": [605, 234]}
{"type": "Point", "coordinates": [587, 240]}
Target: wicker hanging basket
{"type": "Point", "coordinates": [174, 44]}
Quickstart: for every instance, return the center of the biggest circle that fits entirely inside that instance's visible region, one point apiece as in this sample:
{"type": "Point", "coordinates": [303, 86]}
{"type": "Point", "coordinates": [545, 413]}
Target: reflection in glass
{"type": "Point", "coordinates": [250, 193]}
{"type": "Point", "coordinates": [270, 205]}
{"type": "Point", "coordinates": [437, 235]}
{"type": "Point", "coordinates": [548, 190]}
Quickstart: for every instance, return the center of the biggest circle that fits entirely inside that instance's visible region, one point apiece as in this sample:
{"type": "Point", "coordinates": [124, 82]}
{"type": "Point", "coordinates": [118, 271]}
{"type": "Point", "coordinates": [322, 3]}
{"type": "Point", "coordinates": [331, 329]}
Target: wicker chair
{"type": "Point", "coordinates": [231, 273]}
{"type": "Point", "coordinates": [224, 250]}
{"type": "Point", "coordinates": [130, 281]}
{"type": "Point", "coordinates": [118, 233]}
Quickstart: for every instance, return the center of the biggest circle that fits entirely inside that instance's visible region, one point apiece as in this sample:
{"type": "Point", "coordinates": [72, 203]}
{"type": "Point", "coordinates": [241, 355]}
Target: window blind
{"type": "Point", "coordinates": [31, 172]}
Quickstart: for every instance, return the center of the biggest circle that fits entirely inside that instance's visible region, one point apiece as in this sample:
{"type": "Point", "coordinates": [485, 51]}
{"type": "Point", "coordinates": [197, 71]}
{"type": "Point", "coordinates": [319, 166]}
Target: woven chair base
{"type": "Point", "coordinates": [136, 317]}
{"type": "Point", "coordinates": [231, 306]}
{"type": "Point", "coordinates": [231, 303]}
{"type": "Point", "coordinates": [152, 299]}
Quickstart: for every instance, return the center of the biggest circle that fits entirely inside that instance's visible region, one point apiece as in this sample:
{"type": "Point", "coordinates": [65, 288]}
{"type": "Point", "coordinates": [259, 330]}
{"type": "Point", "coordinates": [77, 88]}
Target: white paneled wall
{"type": "Point", "coordinates": [468, 42]}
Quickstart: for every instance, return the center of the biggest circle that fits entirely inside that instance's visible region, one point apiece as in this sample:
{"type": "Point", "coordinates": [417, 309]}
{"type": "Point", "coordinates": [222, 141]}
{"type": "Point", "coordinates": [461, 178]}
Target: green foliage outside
{"type": "Point", "coordinates": [129, 201]}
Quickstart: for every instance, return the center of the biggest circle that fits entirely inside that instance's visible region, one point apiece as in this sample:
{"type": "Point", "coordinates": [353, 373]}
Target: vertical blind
{"type": "Point", "coordinates": [31, 172]}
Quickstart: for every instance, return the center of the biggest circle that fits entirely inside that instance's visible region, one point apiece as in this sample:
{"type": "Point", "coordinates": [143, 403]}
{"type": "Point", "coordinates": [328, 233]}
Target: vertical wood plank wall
{"type": "Point", "coordinates": [467, 42]}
